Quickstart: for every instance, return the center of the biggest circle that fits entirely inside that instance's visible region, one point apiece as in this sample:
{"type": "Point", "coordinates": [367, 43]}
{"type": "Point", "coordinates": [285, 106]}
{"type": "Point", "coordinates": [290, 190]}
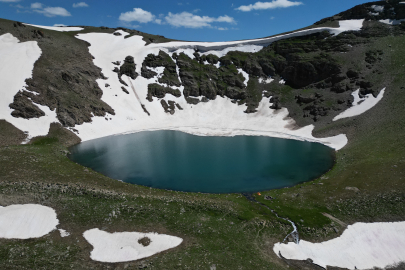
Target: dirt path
{"type": "Point", "coordinates": [338, 221]}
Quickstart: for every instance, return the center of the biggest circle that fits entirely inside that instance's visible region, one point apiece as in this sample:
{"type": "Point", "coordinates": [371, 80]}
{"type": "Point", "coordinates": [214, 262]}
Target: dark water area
{"type": "Point", "coordinates": [179, 161]}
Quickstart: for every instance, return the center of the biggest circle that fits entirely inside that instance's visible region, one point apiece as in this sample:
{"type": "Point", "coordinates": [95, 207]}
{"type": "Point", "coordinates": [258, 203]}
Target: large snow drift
{"type": "Point", "coordinates": [16, 65]}
{"type": "Point", "coordinates": [58, 28]}
{"type": "Point", "coordinates": [361, 246]}
{"type": "Point", "coordinates": [360, 104]}
{"type": "Point", "coordinates": [26, 221]}
{"type": "Point", "coordinates": [253, 45]}
{"type": "Point", "coordinates": [124, 246]}
{"type": "Point", "coordinates": [219, 117]}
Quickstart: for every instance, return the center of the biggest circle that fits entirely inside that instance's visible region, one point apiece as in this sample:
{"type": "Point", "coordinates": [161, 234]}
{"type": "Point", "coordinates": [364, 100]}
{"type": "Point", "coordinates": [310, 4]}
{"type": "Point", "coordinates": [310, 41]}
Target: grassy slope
{"type": "Point", "coordinates": [225, 230]}
{"type": "Point", "coordinates": [373, 161]}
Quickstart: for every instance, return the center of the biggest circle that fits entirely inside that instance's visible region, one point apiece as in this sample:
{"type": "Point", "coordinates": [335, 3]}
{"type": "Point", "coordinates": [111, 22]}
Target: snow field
{"type": "Point", "coordinates": [16, 65]}
{"type": "Point", "coordinates": [57, 28]}
{"type": "Point", "coordinates": [253, 45]}
{"type": "Point", "coordinates": [360, 105]}
{"type": "Point", "coordinates": [361, 246]}
{"type": "Point", "coordinates": [26, 221]}
{"type": "Point", "coordinates": [124, 246]}
{"type": "Point", "coordinates": [219, 117]}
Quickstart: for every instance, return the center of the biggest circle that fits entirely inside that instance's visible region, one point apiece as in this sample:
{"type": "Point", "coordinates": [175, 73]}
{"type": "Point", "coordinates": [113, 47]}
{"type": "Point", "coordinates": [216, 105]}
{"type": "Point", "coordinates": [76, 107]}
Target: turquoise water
{"type": "Point", "coordinates": [178, 161]}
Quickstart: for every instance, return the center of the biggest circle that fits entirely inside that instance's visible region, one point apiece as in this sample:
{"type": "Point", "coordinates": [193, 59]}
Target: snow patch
{"type": "Point", "coordinates": [63, 233]}
{"type": "Point", "coordinates": [266, 80]}
{"type": "Point", "coordinates": [16, 65]}
{"type": "Point", "coordinates": [241, 48]}
{"type": "Point", "coordinates": [26, 221]}
{"type": "Point", "coordinates": [245, 75]}
{"type": "Point", "coordinates": [392, 22]}
{"type": "Point", "coordinates": [282, 81]}
{"type": "Point", "coordinates": [57, 28]}
{"type": "Point", "coordinates": [377, 8]}
{"type": "Point", "coordinates": [347, 25]}
{"type": "Point", "coordinates": [124, 246]}
{"type": "Point", "coordinates": [360, 105]}
{"type": "Point", "coordinates": [361, 246]}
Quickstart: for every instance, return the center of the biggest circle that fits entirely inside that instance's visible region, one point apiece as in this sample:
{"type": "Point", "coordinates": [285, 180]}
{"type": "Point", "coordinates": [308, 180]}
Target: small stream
{"type": "Point", "coordinates": [294, 233]}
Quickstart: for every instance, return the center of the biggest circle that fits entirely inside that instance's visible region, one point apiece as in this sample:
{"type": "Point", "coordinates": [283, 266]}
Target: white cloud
{"type": "Point", "coordinates": [138, 15]}
{"type": "Point", "coordinates": [222, 28]}
{"type": "Point", "coordinates": [158, 21]}
{"type": "Point", "coordinates": [81, 4]}
{"type": "Point", "coordinates": [10, 1]}
{"type": "Point", "coordinates": [269, 5]}
{"type": "Point", "coordinates": [189, 20]}
{"type": "Point", "coordinates": [36, 5]}
{"type": "Point", "coordinates": [50, 11]}
{"type": "Point", "coordinates": [226, 19]}
{"type": "Point", "coordinates": [54, 11]}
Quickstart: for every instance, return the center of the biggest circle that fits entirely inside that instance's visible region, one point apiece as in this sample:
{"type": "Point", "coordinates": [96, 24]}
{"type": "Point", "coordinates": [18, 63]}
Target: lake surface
{"type": "Point", "coordinates": [178, 161]}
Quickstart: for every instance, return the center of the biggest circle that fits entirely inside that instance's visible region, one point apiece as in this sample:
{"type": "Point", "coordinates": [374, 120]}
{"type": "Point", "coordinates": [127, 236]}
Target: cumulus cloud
{"type": "Point", "coordinates": [50, 11]}
{"type": "Point", "coordinates": [81, 4]}
{"type": "Point", "coordinates": [189, 20]}
{"type": "Point", "coordinates": [138, 15]}
{"type": "Point", "coordinates": [269, 5]}
{"type": "Point", "coordinates": [184, 19]}
{"type": "Point", "coordinates": [36, 5]}
{"type": "Point", "coordinates": [10, 1]}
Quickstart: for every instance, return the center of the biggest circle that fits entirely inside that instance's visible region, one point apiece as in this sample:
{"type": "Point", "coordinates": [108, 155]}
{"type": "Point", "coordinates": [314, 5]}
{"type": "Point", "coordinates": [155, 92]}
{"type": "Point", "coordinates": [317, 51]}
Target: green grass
{"type": "Point", "coordinates": [212, 226]}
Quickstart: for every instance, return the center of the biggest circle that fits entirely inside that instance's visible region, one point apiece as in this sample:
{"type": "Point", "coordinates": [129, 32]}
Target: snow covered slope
{"type": "Point", "coordinates": [58, 28]}
{"type": "Point", "coordinates": [253, 45]}
{"type": "Point", "coordinates": [16, 65]}
{"type": "Point", "coordinates": [360, 105]}
{"type": "Point", "coordinates": [218, 117]}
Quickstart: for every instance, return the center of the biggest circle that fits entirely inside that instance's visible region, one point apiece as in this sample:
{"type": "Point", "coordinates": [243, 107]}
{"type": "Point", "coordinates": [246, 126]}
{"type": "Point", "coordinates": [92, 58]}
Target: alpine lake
{"type": "Point", "coordinates": [179, 161]}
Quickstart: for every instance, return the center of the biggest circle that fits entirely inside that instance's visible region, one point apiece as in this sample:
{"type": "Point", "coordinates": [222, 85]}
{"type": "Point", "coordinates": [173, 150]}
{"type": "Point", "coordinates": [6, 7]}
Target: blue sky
{"type": "Point", "coordinates": [194, 20]}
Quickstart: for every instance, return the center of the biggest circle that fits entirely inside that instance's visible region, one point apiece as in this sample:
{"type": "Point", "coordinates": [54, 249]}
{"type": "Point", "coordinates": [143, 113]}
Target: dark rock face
{"type": "Point", "coordinates": [147, 73]}
{"type": "Point", "coordinates": [124, 90]}
{"type": "Point", "coordinates": [352, 74]}
{"type": "Point", "coordinates": [23, 107]}
{"type": "Point", "coordinates": [162, 60]}
{"type": "Point", "coordinates": [276, 103]}
{"type": "Point", "coordinates": [170, 106]}
{"type": "Point", "coordinates": [128, 68]}
{"type": "Point", "coordinates": [156, 90]}
{"type": "Point", "coordinates": [208, 80]}
{"type": "Point", "coordinates": [193, 101]}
